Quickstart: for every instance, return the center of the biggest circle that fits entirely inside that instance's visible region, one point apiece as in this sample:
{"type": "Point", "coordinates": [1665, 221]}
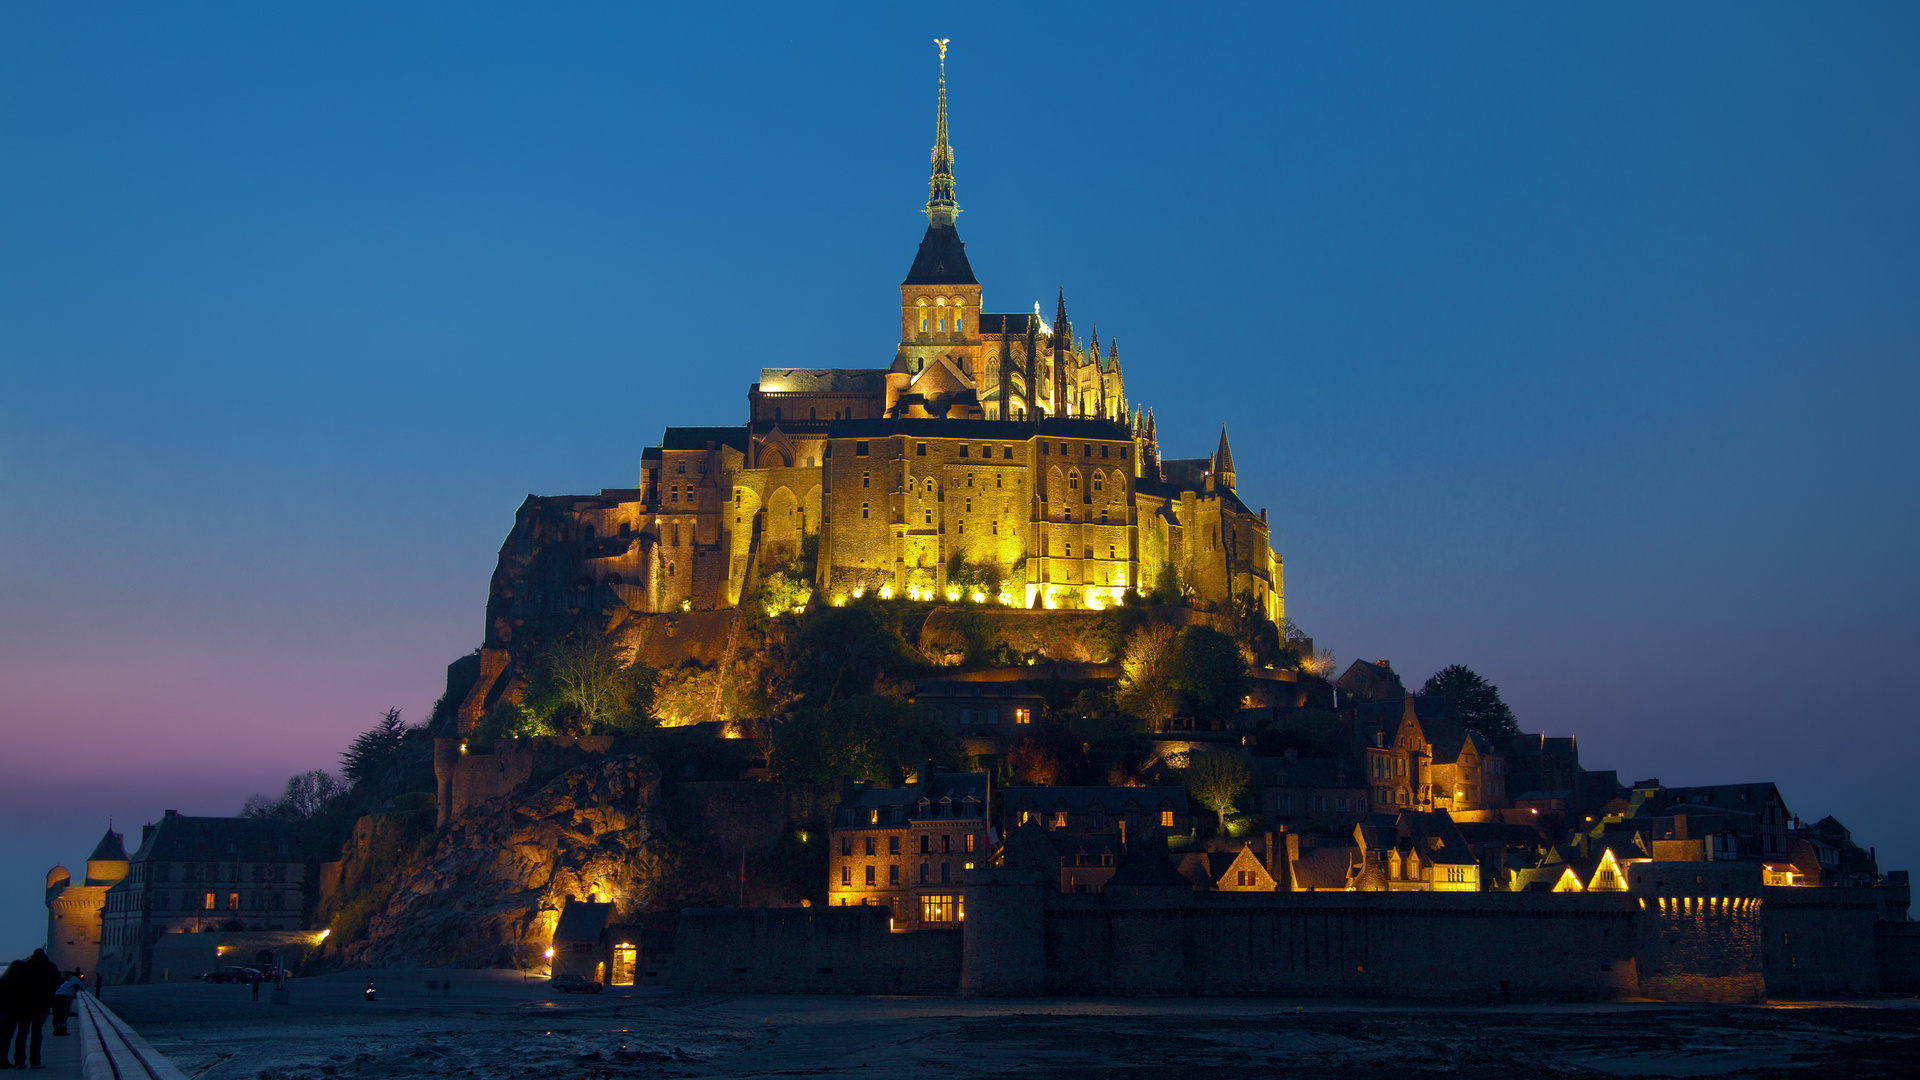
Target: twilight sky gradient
{"type": "Point", "coordinates": [1575, 345]}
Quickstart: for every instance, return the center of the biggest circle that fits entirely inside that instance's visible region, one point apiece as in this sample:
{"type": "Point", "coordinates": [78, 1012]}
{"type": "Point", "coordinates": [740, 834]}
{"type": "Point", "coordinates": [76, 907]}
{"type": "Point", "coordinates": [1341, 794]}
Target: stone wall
{"type": "Point", "coordinates": [1896, 947]}
{"type": "Point", "coordinates": [1456, 946]}
{"type": "Point", "coordinates": [816, 950]}
{"type": "Point", "coordinates": [1699, 930]}
{"type": "Point", "coordinates": [1819, 941]}
{"type": "Point", "coordinates": [1687, 934]}
{"type": "Point", "coordinates": [185, 957]}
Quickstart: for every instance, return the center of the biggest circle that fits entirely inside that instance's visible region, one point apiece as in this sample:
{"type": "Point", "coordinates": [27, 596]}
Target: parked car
{"type": "Point", "coordinates": [232, 975]}
{"type": "Point", "coordinates": [573, 984]}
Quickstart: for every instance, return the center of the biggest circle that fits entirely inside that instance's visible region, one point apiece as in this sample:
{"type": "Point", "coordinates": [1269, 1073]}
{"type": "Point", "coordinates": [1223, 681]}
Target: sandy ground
{"type": "Point", "coordinates": [497, 1026]}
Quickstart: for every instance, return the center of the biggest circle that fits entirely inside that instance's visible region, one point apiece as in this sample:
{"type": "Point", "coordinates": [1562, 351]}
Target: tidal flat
{"type": "Point", "coordinates": [490, 1025]}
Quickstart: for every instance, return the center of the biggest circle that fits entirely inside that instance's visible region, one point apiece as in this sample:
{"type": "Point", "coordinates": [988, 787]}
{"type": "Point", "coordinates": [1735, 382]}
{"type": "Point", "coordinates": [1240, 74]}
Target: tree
{"type": "Point", "coordinates": [587, 672]}
{"type": "Point", "coordinates": [868, 738]}
{"type": "Point", "coordinates": [373, 752]}
{"type": "Point", "coordinates": [1033, 762]}
{"type": "Point", "coordinates": [1146, 671]}
{"type": "Point", "coordinates": [1207, 665]}
{"type": "Point", "coordinates": [1473, 701]}
{"type": "Point", "coordinates": [307, 794]}
{"type": "Point", "coordinates": [1217, 778]}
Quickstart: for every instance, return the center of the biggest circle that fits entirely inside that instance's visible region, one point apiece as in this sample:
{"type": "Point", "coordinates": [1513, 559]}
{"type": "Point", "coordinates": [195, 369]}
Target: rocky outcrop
{"type": "Point", "coordinates": [490, 891]}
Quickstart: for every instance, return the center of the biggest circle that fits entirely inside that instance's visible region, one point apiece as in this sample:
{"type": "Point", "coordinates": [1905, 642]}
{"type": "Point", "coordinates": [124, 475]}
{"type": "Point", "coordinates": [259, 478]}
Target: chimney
{"type": "Point", "coordinates": [1293, 856]}
{"type": "Point", "coordinates": [1273, 860]}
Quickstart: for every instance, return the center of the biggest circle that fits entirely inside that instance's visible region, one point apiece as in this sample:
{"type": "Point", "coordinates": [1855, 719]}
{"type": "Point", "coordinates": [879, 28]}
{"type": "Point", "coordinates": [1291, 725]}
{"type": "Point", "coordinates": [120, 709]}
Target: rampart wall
{"type": "Point", "coordinates": [1896, 948]}
{"type": "Point", "coordinates": [1819, 942]}
{"type": "Point", "coordinates": [823, 950]}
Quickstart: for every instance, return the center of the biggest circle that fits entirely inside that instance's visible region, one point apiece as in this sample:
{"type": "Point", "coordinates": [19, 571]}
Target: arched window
{"type": "Point", "coordinates": [959, 317]}
{"type": "Point", "coordinates": [1073, 480]}
{"type": "Point", "coordinates": [940, 312]}
{"type": "Point", "coordinates": [1099, 482]}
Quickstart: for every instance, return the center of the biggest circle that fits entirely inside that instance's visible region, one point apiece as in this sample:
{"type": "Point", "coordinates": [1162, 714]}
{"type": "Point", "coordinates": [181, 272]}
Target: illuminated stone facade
{"type": "Point", "coordinates": [74, 909]}
{"type": "Point", "coordinates": [909, 849]}
{"type": "Point", "coordinates": [999, 438]}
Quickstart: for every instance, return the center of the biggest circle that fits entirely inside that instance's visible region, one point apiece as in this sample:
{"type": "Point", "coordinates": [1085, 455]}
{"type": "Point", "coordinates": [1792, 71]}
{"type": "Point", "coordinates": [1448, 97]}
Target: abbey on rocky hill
{"type": "Point", "coordinates": [993, 460]}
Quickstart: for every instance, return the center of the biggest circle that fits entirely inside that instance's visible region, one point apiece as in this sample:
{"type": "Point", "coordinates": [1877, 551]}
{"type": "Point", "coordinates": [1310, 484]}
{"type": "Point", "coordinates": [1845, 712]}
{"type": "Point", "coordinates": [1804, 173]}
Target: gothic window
{"type": "Point", "coordinates": [1099, 482]}
{"type": "Point", "coordinates": [1073, 480]}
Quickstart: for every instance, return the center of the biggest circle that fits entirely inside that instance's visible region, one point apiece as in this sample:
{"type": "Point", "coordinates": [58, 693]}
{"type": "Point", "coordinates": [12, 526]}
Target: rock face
{"type": "Point", "coordinates": [491, 891]}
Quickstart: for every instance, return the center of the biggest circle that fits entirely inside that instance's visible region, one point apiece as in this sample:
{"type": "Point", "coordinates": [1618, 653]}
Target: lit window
{"type": "Point", "coordinates": [940, 908]}
{"type": "Point", "coordinates": [1166, 819]}
{"type": "Point", "coordinates": [1059, 819]}
{"type": "Point", "coordinates": [1022, 716]}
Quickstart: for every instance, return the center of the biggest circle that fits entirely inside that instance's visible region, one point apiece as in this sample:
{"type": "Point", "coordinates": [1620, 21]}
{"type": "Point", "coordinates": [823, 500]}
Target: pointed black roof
{"type": "Point", "coordinates": [109, 849]}
{"type": "Point", "coordinates": [941, 260]}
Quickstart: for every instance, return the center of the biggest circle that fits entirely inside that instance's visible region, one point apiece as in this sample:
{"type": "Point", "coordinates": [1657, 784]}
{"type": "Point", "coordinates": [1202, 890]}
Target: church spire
{"type": "Point", "coordinates": [941, 206]}
{"type": "Point", "coordinates": [1223, 462]}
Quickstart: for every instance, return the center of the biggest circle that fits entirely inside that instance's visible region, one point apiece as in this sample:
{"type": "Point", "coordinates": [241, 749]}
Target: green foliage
{"type": "Point", "coordinates": [960, 636]}
{"type": "Point", "coordinates": [1207, 665]}
{"type": "Point", "coordinates": [587, 674]}
{"type": "Point", "coordinates": [840, 650]}
{"type": "Point", "coordinates": [1241, 825]}
{"type": "Point", "coordinates": [370, 755]}
{"type": "Point", "coordinates": [1310, 732]}
{"type": "Point", "coordinates": [1473, 701]}
{"type": "Point", "coordinates": [1216, 778]}
{"type": "Point", "coordinates": [781, 591]}
{"type": "Point", "coordinates": [868, 738]}
{"type": "Point", "coordinates": [1145, 689]}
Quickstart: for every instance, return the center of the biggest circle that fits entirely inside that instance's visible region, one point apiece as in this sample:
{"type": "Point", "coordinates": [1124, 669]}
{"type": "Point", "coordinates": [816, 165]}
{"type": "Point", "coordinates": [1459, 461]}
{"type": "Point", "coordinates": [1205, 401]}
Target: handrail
{"type": "Point", "coordinates": [110, 1050]}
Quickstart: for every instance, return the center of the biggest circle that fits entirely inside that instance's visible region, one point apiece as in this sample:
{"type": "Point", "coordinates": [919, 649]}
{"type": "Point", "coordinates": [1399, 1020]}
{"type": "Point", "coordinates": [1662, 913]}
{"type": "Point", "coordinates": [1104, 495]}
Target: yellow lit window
{"type": "Point", "coordinates": [1059, 819]}
{"type": "Point", "coordinates": [941, 908]}
{"type": "Point", "coordinates": [1166, 819]}
{"type": "Point", "coordinates": [1023, 716]}
{"type": "Point", "coordinates": [213, 901]}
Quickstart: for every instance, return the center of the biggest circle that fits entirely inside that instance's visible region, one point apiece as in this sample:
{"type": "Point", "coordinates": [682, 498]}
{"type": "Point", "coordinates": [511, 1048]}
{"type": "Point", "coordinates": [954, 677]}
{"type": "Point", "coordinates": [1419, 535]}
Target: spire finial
{"type": "Point", "coordinates": [941, 206]}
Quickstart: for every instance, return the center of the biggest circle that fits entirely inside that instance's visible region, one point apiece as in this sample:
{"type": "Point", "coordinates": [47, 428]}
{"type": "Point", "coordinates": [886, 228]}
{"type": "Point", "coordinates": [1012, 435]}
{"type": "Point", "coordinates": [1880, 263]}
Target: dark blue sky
{"type": "Point", "coordinates": [1574, 345]}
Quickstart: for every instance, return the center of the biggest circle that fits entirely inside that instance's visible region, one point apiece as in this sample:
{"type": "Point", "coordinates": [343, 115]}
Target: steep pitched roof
{"type": "Point", "coordinates": [941, 260]}
{"type": "Point", "coordinates": [109, 849]}
{"type": "Point", "coordinates": [178, 838]}
{"type": "Point", "coordinates": [582, 920]}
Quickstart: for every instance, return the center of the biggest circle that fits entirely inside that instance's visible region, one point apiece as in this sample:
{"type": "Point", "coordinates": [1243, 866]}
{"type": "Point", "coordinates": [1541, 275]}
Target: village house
{"type": "Point", "coordinates": [1310, 794]}
{"type": "Point", "coordinates": [909, 848]}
